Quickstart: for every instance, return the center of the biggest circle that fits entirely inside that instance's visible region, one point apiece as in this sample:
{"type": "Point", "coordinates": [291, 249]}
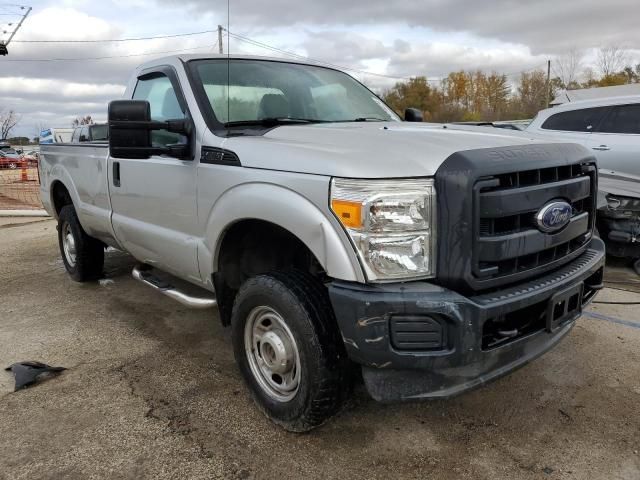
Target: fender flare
{"type": "Point", "coordinates": [60, 175]}
{"type": "Point", "coordinates": [286, 209]}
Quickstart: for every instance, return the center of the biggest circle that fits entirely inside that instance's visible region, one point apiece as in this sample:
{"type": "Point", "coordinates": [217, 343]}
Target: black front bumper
{"type": "Point", "coordinates": [418, 340]}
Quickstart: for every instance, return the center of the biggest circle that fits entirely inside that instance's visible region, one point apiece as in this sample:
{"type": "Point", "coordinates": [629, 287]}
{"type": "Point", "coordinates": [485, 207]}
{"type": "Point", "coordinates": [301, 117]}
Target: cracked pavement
{"type": "Point", "coordinates": [152, 391]}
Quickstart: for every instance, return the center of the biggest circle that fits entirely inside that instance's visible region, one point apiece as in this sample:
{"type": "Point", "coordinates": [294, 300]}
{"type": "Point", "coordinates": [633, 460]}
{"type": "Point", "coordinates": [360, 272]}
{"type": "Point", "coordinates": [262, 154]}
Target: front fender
{"type": "Point", "coordinates": [289, 210]}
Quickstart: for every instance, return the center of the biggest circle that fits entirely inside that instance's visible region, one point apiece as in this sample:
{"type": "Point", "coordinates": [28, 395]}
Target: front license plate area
{"type": "Point", "coordinates": [563, 306]}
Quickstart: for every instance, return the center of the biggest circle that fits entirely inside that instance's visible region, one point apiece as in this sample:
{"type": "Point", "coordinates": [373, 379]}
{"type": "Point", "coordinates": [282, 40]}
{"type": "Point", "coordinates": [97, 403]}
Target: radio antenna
{"type": "Point", "coordinates": [228, 62]}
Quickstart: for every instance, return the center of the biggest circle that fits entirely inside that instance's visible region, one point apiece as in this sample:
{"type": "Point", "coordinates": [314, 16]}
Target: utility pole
{"type": "Point", "coordinates": [4, 45]}
{"type": "Point", "coordinates": [547, 100]}
{"type": "Point", "coordinates": [220, 47]}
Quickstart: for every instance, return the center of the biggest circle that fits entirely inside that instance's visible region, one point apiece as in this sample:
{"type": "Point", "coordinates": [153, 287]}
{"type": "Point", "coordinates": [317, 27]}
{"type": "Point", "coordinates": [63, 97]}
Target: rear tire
{"type": "Point", "coordinates": [288, 348]}
{"type": "Point", "coordinates": [83, 256]}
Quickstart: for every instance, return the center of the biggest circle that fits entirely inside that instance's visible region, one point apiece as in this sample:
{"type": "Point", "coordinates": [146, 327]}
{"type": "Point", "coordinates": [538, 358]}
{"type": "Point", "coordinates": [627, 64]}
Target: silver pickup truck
{"type": "Point", "coordinates": [335, 238]}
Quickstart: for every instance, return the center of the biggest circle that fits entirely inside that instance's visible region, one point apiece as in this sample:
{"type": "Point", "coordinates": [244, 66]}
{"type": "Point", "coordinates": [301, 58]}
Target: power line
{"type": "Point", "coordinates": [313, 60]}
{"type": "Point", "coordinates": [519, 72]}
{"type": "Point", "coordinates": [101, 58]}
{"type": "Point", "coordinates": [109, 40]}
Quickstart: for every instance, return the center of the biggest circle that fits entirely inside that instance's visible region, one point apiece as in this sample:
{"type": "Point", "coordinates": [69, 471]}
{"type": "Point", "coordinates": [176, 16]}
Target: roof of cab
{"type": "Point", "coordinates": [205, 56]}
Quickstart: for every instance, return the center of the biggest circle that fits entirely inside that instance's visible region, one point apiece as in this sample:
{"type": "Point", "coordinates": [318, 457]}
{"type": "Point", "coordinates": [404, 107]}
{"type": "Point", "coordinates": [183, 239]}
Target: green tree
{"type": "Point", "coordinates": [532, 93]}
{"type": "Point", "coordinates": [414, 93]}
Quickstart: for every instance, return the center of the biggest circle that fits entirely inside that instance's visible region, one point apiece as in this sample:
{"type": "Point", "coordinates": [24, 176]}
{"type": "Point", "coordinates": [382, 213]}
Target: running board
{"type": "Point", "coordinates": [142, 274]}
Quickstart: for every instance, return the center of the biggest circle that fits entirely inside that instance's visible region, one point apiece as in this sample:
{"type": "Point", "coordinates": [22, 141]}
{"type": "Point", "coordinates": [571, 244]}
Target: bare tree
{"type": "Point", "coordinates": [86, 120]}
{"type": "Point", "coordinates": [610, 60]}
{"type": "Point", "coordinates": [8, 120]}
{"type": "Point", "coordinates": [567, 67]}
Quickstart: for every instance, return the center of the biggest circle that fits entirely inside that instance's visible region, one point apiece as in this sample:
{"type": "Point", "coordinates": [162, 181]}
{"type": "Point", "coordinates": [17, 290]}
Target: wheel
{"type": "Point", "coordinates": [289, 350]}
{"type": "Point", "coordinates": [636, 266]}
{"type": "Point", "coordinates": [83, 256]}
{"type": "Point", "coordinates": [13, 166]}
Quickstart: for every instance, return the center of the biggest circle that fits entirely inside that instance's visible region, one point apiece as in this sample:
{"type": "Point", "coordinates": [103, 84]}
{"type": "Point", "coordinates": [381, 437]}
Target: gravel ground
{"type": "Point", "coordinates": [152, 392]}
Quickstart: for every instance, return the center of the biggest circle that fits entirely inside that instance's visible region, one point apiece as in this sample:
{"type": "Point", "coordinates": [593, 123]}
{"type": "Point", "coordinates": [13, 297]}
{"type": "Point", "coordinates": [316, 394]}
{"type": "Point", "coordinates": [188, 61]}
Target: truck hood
{"type": "Point", "coordinates": [365, 149]}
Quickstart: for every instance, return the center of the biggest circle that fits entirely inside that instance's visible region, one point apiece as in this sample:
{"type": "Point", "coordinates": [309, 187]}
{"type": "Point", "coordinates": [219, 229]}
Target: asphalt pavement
{"type": "Point", "coordinates": [152, 391]}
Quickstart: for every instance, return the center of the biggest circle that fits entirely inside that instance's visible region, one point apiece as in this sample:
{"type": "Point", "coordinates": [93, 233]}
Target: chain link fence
{"type": "Point", "coordinates": [19, 188]}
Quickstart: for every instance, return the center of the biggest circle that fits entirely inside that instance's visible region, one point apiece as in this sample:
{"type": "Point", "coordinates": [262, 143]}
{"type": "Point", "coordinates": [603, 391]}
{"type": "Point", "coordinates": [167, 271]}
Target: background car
{"type": "Point", "coordinates": [10, 159]}
{"type": "Point", "coordinates": [32, 158]}
{"type": "Point", "coordinates": [610, 127]}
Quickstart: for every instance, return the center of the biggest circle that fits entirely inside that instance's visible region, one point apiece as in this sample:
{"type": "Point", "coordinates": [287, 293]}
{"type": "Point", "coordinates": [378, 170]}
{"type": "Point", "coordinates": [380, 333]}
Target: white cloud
{"type": "Point", "coordinates": [54, 23]}
{"type": "Point", "coordinates": [20, 86]}
{"type": "Point", "coordinates": [401, 39]}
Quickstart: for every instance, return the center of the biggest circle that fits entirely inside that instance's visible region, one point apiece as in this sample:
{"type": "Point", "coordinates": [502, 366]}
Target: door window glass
{"type": "Point", "coordinates": [163, 101]}
{"type": "Point", "coordinates": [583, 120]}
{"type": "Point", "coordinates": [622, 119]}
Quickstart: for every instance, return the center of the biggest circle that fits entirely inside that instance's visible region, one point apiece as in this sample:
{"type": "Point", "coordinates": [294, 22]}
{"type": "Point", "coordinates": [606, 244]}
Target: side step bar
{"type": "Point", "coordinates": [142, 274]}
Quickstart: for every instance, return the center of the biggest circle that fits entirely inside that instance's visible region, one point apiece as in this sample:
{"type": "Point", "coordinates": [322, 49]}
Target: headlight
{"type": "Point", "coordinates": [391, 224]}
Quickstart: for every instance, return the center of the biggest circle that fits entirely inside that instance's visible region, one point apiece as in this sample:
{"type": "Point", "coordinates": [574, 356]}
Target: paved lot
{"type": "Point", "coordinates": [152, 392]}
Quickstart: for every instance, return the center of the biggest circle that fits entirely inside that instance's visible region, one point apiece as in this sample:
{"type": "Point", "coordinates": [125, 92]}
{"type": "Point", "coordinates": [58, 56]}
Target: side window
{"type": "Point", "coordinates": [583, 120]}
{"type": "Point", "coordinates": [84, 134]}
{"type": "Point", "coordinates": [162, 98]}
{"type": "Point", "coordinates": [99, 133]}
{"type": "Point", "coordinates": [622, 119]}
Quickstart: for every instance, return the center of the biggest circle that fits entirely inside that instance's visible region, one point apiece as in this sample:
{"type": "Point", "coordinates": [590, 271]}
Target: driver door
{"type": "Point", "coordinates": [154, 200]}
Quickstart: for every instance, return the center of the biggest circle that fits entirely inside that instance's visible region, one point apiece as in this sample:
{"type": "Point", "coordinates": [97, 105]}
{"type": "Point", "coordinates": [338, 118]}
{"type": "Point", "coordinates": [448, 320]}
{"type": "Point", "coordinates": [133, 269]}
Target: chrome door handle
{"type": "Point", "coordinates": [602, 148]}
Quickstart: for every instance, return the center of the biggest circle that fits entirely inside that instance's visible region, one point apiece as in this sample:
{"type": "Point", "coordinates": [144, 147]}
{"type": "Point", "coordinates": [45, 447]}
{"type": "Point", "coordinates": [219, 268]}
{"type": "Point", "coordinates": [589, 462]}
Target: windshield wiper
{"type": "Point", "coordinates": [368, 119]}
{"type": "Point", "coordinates": [272, 121]}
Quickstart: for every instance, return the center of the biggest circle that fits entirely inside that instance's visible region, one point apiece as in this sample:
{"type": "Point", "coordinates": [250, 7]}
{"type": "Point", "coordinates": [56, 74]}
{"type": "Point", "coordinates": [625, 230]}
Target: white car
{"type": "Point", "coordinates": [608, 126]}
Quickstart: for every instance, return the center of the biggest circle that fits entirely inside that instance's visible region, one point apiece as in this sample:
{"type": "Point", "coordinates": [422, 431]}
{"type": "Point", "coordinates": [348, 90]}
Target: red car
{"type": "Point", "coordinates": [12, 160]}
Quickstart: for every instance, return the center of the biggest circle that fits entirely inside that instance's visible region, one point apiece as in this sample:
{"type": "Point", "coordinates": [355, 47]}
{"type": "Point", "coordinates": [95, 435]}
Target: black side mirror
{"type": "Point", "coordinates": [130, 128]}
{"type": "Point", "coordinates": [412, 115]}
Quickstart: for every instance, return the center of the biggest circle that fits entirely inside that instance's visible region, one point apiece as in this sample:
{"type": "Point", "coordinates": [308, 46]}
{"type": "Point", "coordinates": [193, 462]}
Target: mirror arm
{"type": "Point", "coordinates": [181, 126]}
{"type": "Point", "coordinates": [175, 150]}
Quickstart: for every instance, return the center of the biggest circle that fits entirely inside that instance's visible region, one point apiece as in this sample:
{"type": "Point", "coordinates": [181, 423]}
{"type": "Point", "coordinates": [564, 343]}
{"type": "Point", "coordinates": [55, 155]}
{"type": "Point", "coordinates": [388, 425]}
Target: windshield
{"type": "Point", "coordinates": [257, 90]}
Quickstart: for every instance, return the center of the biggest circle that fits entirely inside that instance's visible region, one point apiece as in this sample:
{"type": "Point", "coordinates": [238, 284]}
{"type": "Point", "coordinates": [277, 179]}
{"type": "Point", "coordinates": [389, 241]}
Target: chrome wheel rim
{"type": "Point", "coordinates": [272, 353]}
{"type": "Point", "coordinates": [13, 166]}
{"type": "Point", "coordinates": [69, 245]}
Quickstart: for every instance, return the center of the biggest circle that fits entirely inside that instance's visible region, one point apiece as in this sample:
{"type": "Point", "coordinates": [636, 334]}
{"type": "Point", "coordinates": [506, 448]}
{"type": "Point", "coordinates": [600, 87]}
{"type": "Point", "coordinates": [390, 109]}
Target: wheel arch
{"type": "Point", "coordinates": [60, 196]}
{"type": "Point", "coordinates": [288, 210]}
{"type": "Point", "coordinates": [257, 228]}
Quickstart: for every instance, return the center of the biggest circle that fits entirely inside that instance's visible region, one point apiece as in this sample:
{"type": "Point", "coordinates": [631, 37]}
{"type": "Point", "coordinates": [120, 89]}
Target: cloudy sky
{"type": "Point", "coordinates": [397, 39]}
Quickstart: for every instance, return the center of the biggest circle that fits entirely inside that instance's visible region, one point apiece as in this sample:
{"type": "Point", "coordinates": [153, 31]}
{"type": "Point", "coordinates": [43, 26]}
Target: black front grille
{"type": "Point", "coordinates": [538, 176]}
{"type": "Point", "coordinates": [508, 241]}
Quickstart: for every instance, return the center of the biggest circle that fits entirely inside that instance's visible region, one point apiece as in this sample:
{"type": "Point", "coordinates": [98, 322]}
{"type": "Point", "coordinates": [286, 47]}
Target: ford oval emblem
{"type": "Point", "coordinates": [553, 216]}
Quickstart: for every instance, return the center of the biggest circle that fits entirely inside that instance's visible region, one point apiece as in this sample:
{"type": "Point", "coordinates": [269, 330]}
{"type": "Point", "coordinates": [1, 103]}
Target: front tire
{"type": "Point", "coordinates": [289, 350]}
{"type": "Point", "coordinates": [83, 256]}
